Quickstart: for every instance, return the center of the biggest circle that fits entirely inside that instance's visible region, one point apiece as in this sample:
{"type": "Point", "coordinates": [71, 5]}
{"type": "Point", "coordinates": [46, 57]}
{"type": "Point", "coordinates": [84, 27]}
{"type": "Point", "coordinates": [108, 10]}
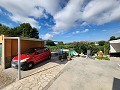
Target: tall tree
{"type": "Point", "coordinates": [4, 29]}
{"type": "Point", "coordinates": [118, 38]}
{"type": "Point", "coordinates": [112, 38]}
{"type": "Point", "coordinates": [50, 43]}
{"type": "Point", "coordinates": [34, 33]}
{"type": "Point", "coordinates": [60, 43]}
{"type": "Point", "coordinates": [24, 30]}
{"type": "Point", "coordinates": [101, 43]}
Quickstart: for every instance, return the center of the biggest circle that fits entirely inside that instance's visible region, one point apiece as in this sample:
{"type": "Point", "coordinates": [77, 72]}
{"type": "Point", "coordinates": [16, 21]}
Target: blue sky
{"type": "Point", "coordinates": [65, 20]}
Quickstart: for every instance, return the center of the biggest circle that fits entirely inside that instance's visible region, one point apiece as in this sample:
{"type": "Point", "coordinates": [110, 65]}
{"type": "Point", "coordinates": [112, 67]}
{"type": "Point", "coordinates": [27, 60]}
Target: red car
{"type": "Point", "coordinates": [31, 57]}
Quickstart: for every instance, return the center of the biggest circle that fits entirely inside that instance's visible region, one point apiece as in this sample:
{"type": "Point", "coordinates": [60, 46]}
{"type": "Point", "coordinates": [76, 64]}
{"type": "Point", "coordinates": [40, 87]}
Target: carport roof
{"type": "Point", "coordinates": [115, 41]}
{"type": "Point", "coordinates": [24, 38]}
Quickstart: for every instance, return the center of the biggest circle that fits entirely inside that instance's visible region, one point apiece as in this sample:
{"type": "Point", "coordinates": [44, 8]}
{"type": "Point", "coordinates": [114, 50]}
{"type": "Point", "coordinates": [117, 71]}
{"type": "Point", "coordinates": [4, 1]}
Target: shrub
{"type": "Point", "coordinates": [102, 58]}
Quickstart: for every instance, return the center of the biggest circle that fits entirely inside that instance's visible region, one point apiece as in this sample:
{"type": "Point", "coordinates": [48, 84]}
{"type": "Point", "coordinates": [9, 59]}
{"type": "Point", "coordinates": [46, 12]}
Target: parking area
{"type": "Point", "coordinates": [80, 73]}
{"type": "Point", "coordinates": [89, 74]}
{"type": "Point", "coordinates": [52, 66]}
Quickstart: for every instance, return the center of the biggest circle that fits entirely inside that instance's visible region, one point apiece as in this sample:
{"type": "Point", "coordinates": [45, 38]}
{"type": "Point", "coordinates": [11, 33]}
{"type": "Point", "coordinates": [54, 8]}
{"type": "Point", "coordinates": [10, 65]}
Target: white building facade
{"type": "Point", "coordinates": [115, 48]}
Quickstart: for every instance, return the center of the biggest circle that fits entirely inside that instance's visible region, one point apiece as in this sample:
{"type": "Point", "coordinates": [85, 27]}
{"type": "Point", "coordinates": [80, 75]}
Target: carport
{"type": "Point", "coordinates": [115, 48]}
{"type": "Point", "coordinates": [10, 46]}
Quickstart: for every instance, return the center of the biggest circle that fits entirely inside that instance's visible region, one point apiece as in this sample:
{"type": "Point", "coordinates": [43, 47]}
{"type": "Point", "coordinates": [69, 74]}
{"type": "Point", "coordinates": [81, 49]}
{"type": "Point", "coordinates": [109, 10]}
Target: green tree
{"type": "Point", "coordinates": [101, 43]}
{"type": "Point", "coordinates": [24, 30]}
{"type": "Point", "coordinates": [106, 48]}
{"type": "Point", "coordinates": [34, 33]}
{"type": "Point", "coordinates": [118, 38]}
{"type": "Point", "coordinates": [60, 43]}
{"type": "Point", "coordinates": [50, 43]}
{"type": "Point", "coordinates": [4, 29]}
{"type": "Point", "coordinates": [112, 38]}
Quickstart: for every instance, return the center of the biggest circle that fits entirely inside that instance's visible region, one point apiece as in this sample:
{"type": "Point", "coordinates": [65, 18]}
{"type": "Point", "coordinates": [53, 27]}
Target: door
{"type": "Point", "coordinates": [38, 55]}
{"type": "Point", "coordinates": [46, 53]}
{"type": "Point", "coordinates": [41, 54]}
{"type": "Point", "coordinates": [0, 53]}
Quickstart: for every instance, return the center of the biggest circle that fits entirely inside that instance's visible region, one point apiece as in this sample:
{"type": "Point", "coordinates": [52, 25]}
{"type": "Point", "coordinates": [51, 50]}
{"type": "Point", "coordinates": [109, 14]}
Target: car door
{"type": "Point", "coordinates": [40, 54]}
{"type": "Point", "coordinates": [46, 53]}
{"type": "Point", "coordinates": [36, 56]}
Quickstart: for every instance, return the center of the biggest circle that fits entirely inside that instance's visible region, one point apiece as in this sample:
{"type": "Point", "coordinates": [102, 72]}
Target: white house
{"type": "Point", "coordinates": [115, 48]}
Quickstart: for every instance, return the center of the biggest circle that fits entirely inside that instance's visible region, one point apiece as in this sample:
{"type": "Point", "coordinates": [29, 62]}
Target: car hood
{"type": "Point", "coordinates": [23, 56]}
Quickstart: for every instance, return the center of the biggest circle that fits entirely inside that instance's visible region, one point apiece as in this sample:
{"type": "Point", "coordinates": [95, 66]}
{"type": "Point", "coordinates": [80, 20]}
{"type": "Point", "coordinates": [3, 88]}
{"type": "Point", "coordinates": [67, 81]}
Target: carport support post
{"type": "Point", "coordinates": [19, 67]}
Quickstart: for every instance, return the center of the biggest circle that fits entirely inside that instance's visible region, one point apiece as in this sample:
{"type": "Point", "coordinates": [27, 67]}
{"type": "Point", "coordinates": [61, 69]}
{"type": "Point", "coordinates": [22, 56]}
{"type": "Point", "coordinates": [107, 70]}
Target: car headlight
{"type": "Point", "coordinates": [24, 60]}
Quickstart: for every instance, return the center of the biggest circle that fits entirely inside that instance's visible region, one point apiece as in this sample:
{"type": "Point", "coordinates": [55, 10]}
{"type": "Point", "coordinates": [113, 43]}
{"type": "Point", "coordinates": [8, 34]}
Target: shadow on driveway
{"type": "Point", "coordinates": [42, 66]}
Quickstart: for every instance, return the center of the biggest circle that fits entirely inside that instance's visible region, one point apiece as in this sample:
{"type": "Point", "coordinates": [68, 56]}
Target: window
{"type": "Point", "coordinates": [39, 51]}
{"type": "Point", "coordinates": [30, 51]}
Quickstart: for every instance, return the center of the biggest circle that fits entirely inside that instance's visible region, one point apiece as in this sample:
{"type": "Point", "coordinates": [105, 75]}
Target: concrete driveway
{"type": "Point", "coordinates": [88, 74]}
{"type": "Point", "coordinates": [9, 75]}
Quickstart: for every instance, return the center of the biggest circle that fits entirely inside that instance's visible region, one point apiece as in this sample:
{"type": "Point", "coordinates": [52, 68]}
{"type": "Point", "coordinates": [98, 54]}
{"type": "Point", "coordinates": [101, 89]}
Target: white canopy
{"type": "Point", "coordinates": [115, 41]}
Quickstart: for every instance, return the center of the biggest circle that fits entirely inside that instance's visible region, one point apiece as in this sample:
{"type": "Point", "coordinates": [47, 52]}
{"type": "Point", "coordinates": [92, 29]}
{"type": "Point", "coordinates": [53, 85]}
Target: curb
{"type": "Point", "coordinates": [59, 73]}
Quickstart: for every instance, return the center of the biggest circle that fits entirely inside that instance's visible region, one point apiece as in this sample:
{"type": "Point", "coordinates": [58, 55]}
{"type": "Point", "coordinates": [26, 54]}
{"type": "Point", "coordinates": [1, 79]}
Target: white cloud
{"type": "Point", "coordinates": [76, 32]}
{"type": "Point", "coordinates": [55, 32]}
{"type": "Point", "coordinates": [82, 12]}
{"type": "Point", "coordinates": [51, 6]}
{"type": "Point", "coordinates": [96, 7]}
{"type": "Point", "coordinates": [118, 32]}
{"type": "Point", "coordinates": [7, 24]}
{"type": "Point", "coordinates": [84, 31]}
{"type": "Point", "coordinates": [104, 30]}
{"type": "Point", "coordinates": [48, 25]}
{"type": "Point", "coordinates": [84, 24]}
{"type": "Point", "coordinates": [67, 17]}
{"type": "Point", "coordinates": [20, 12]}
{"type": "Point", "coordinates": [47, 36]}
{"type": "Point", "coordinates": [22, 19]}
{"type": "Point", "coordinates": [26, 11]}
{"type": "Point", "coordinates": [75, 12]}
{"type": "Point", "coordinates": [101, 11]}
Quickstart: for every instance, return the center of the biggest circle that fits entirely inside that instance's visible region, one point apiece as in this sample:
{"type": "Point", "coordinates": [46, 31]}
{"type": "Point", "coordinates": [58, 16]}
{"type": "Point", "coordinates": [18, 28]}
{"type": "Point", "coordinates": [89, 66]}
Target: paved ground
{"type": "Point", "coordinates": [38, 77]}
{"type": "Point", "coordinates": [88, 74]}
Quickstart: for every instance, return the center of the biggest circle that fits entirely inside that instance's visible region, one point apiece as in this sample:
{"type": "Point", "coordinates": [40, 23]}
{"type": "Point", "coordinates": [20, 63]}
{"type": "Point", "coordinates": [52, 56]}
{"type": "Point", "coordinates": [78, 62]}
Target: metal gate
{"type": "Point", "coordinates": [0, 53]}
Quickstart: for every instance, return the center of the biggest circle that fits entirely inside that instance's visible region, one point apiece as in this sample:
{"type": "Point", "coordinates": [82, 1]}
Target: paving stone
{"type": "Point", "coordinates": [32, 85]}
{"type": "Point", "coordinates": [44, 84]}
{"type": "Point", "coordinates": [38, 80]}
{"type": "Point", "coordinates": [9, 88]}
{"type": "Point", "coordinates": [40, 88]}
{"type": "Point", "coordinates": [35, 88]}
{"type": "Point", "coordinates": [26, 89]}
{"type": "Point", "coordinates": [27, 85]}
{"type": "Point", "coordinates": [21, 88]}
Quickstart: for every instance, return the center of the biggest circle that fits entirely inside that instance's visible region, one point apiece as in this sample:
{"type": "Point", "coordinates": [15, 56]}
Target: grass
{"type": "Point", "coordinates": [102, 58]}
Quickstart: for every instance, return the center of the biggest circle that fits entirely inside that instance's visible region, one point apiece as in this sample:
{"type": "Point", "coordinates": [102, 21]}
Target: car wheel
{"type": "Point", "coordinates": [49, 57]}
{"type": "Point", "coordinates": [30, 65]}
{"type": "Point", "coordinates": [60, 57]}
{"type": "Point", "coordinates": [25, 68]}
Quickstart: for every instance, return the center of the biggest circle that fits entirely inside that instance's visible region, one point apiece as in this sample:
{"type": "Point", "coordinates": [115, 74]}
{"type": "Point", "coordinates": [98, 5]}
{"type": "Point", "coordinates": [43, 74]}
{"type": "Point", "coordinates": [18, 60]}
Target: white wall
{"type": "Point", "coordinates": [114, 47]}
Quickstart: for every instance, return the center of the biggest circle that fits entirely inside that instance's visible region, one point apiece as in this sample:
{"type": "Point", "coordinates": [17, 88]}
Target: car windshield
{"type": "Point", "coordinates": [30, 51]}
